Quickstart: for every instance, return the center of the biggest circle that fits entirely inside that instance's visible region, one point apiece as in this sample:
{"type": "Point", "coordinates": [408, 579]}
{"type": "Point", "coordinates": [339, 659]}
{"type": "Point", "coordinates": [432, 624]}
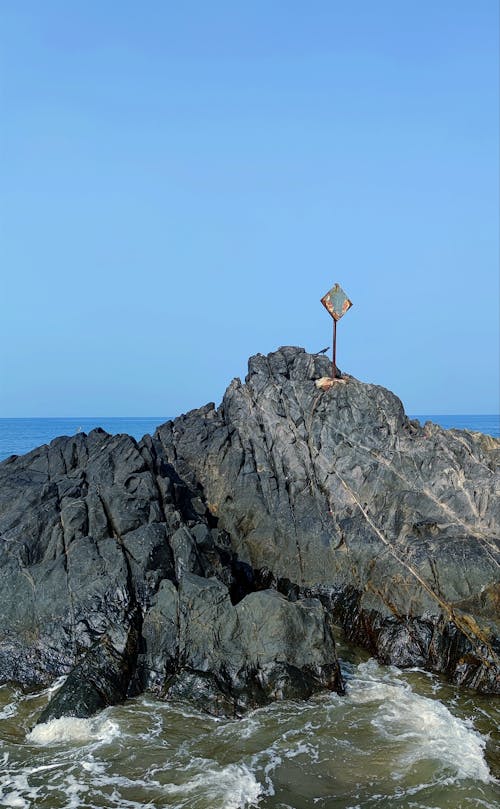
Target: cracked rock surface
{"type": "Point", "coordinates": [207, 562]}
{"type": "Point", "coordinates": [394, 526]}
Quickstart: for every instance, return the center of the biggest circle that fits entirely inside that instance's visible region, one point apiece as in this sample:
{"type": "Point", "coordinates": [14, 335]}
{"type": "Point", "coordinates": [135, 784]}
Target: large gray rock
{"type": "Point", "coordinates": [149, 563]}
{"type": "Point", "coordinates": [239, 657]}
{"type": "Point", "coordinates": [105, 551]}
{"type": "Point", "coordinates": [394, 526]}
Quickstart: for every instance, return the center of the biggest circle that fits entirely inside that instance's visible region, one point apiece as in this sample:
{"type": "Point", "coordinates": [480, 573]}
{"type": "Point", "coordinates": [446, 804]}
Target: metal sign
{"type": "Point", "coordinates": [336, 303]}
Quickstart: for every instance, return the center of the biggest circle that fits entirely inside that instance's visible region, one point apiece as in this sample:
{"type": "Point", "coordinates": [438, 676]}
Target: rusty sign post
{"type": "Point", "coordinates": [336, 303]}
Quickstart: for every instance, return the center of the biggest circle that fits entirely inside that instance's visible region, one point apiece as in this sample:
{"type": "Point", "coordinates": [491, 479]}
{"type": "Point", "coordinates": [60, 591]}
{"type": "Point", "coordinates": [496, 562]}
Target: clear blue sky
{"type": "Point", "coordinates": [181, 183]}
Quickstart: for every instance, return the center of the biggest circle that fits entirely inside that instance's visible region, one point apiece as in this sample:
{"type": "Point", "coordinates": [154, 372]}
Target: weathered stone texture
{"type": "Point", "coordinates": [157, 564]}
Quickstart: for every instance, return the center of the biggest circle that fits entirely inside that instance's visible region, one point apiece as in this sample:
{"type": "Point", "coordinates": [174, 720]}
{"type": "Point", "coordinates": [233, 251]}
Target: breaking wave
{"type": "Point", "coordinates": [71, 729]}
{"type": "Point", "coordinates": [391, 742]}
{"type": "Point", "coordinates": [424, 727]}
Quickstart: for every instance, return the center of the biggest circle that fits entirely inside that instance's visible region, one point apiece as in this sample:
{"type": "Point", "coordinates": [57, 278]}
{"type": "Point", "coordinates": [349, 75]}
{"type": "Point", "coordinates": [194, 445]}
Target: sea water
{"type": "Point", "coordinates": [397, 740]}
{"type": "Point", "coordinates": [18, 436]}
{"type": "Point", "coordinates": [488, 424]}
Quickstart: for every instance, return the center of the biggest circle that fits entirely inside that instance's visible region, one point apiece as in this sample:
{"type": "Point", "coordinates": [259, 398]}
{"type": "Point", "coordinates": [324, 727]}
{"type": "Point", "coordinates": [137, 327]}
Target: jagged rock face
{"type": "Point", "coordinates": [113, 570]}
{"type": "Point", "coordinates": [395, 526]}
{"type": "Point", "coordinates": [156, 564]}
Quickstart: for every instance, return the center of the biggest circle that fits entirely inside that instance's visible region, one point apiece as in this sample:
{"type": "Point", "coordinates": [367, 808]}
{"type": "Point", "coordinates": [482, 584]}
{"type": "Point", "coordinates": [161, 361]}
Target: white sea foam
{"type": "Point", "coordinates": [15, 799]}
{"type": "Point", "coordinates": [57, 684]}
{"type": "Point", "coordinates": [72, 729]}
{"type": "Point", "coordinates": [425, 728]}
{"type": "Point", "coordinates": [15, 791]}
{"type": "Point", "coordinates": [232, 787]}
{"type": "Point", "coordinates": [47, 692]}
{"type": "Point", "coordinates": [73, 790]}
{"type": "Point", "coordinates": [249, 726]}
{"type": "Point", "coordinates": [95, 768]}
{"type": "Point", "coordinates": [8, 710]}
{"type": "Point", "coordinates": [303, 749]}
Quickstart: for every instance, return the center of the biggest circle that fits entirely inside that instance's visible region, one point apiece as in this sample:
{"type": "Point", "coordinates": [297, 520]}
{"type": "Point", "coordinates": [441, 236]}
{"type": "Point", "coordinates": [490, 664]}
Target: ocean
{"type": "Point", "coordinates": [18, 436]}
{"type": "Point", "coordinates": [397, 740]}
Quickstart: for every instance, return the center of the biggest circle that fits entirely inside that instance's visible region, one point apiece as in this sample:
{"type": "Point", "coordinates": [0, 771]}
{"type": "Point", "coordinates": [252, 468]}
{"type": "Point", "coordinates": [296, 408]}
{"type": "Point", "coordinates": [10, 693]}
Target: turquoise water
{"type": "Point", "coordinates": [18, 436]}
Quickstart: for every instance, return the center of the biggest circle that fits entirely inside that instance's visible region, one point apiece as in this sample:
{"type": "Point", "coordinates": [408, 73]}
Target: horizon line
{"type": "Point", "coordinates": [75, 418]}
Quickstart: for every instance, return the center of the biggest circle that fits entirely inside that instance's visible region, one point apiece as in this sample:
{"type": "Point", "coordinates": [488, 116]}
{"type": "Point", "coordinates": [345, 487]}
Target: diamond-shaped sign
{"type": "Point", "coordinates": [336, 302]}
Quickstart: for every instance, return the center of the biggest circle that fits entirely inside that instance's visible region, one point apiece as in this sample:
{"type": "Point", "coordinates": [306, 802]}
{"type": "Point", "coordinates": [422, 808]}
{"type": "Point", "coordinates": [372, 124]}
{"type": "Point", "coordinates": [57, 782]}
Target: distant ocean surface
{"type": "Point", "coordinates": [18, 436]}
{"type": "Point", "coordinates": [489, 424]}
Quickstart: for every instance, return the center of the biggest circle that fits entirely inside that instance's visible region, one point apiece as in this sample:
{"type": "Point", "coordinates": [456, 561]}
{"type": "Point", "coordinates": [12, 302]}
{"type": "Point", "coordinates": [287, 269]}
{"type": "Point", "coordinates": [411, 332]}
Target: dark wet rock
{"type": "Point", "coordinates": [199, 645]}
{"type": "Point", "coordinates": [264, 648]}
{"type": "Point", "coordinates": [102, 678]}
{"type": "Point", "coordinates": [176, 541]}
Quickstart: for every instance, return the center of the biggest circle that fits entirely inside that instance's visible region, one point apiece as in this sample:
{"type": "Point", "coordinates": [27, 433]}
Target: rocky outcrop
{"type": "Point", "coordinates": [113, 571]}
{"type": "Point", "coordinates": [393, 525]}
{"type": "Point", "coordinates": [208, 561]}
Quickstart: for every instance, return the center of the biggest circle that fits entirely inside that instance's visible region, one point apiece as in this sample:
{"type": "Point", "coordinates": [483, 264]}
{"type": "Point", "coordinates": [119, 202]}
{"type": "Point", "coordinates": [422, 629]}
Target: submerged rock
{"type": "Point", "coordinates": [156, 565]}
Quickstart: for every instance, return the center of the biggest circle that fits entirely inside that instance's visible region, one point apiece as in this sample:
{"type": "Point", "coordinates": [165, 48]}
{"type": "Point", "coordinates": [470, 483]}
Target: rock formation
{"type": "Point", "coordinates": [208, 561]}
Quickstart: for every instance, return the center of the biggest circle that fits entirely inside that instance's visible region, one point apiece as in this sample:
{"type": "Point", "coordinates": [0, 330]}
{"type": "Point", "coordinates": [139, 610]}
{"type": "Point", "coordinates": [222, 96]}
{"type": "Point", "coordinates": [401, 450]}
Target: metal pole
{"type": "Point", "coordinates": [334, 366]}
